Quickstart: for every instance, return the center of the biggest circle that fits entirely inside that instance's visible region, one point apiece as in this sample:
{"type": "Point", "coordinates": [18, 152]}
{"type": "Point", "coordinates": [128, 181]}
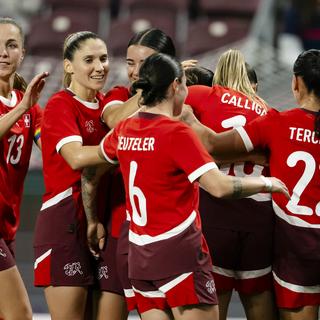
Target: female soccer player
{"type": "Point", "coordinates": [71, 124]}
{"type": "Point", "coordinates": [162, 160]}
{"type": "Point", "coordinates": [292, 140]}
{"type": "Point", "coordinates": [240, 239]}
{"type": "Point", "coordinates": [19, 127]}
{"type": "Point", "coordinates": [120, 102]}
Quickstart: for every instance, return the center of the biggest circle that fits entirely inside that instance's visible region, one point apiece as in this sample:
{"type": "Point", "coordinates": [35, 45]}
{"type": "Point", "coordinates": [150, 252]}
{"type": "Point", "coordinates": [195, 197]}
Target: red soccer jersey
{"type": "Point", "coordinates": [15, 148]}
{"type": "Point", "coordinates": [222, 109]}
{"type": "Point", "coordinates": [159, 157]}
{"type": "Point", "coordinates": [116, 95]}
{"type": "Point", "coordinates": [117, 202]}
{"type": "Point", "coordinates": [67, 119]}
{"type": "Point", "coordinates": [294, 158]}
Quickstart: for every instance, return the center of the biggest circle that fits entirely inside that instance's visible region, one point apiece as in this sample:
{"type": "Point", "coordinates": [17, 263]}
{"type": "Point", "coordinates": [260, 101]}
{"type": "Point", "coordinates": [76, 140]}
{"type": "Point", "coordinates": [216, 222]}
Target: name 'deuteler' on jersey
{"type": "Point", "coordinates": [136, 144]}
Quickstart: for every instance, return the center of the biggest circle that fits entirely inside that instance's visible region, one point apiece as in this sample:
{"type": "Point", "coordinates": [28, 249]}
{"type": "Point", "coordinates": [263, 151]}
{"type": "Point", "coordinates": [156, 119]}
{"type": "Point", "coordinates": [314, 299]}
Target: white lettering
{"type": "Point", "coordinates": [135, 144]}
{"type": "Point", "coordinates": [303, 135]}
{"type": "Point", "coordinates": [243, 103]}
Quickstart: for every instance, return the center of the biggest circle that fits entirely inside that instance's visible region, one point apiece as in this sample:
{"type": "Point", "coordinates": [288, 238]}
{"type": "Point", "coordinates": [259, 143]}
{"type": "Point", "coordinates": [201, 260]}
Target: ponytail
{"type": "Point", "coordinates": [19, 83]}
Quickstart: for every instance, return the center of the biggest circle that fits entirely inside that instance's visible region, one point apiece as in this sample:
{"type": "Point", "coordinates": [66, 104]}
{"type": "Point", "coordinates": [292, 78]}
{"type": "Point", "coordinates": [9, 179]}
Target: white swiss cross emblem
{"type": "Point", "coordinates": [26, 120]}
{"type": "Point", "coordinates": [90, 126]}
{"type": "Point", "coordinates": [72, 268]}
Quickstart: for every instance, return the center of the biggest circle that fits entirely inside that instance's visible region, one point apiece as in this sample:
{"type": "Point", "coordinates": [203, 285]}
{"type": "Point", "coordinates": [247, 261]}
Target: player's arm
{"type": "Point", "coordinates": [79, 156]}
{"type": "Point", "coordinates": [30, 97]}
{"type": "Point", "coordinates": [255, 156]}
{"type": "Point", "coordinates": [115, 113]}
{"type": "Point", "coordinates": [224, 186]}
{"type": "Point", "coordinates": [89, 186]}
{"type": "Point", "coordinates": [222, 146]}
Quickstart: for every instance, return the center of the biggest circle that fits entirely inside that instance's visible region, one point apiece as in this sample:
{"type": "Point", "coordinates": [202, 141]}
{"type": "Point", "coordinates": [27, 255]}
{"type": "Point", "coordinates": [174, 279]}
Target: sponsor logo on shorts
{"type": "Point", "coordinates": [103, 272]}
{"type": "Point", "coordinates": [72, 269]}
{"type": "Point", "coordinates": [210, 286]}
{"type": "Point", "coordinates": [2, 254]}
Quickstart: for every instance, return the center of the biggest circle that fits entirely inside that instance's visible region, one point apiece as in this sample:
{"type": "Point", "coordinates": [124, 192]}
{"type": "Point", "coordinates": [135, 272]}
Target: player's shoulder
{"type": "Point", "coordinates": [116, 92]}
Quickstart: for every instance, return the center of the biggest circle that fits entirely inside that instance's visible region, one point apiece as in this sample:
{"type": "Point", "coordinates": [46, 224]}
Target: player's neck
{"type": "Point", "coordinates": [161, 108]}
{"type": "Point", "coordinates": [310, 102]}
{"type": "Point", "coordinates": [5, 89]}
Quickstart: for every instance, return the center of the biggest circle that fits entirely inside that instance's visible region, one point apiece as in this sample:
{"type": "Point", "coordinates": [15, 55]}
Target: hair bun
{"type": "Point", "coordinates": [143, 84]}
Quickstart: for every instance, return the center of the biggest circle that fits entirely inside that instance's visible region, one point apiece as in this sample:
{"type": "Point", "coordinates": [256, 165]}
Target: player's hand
{"type": "Point", "coordinates": [189, 63]}
{"type": "Point", "coordinates": [279, 186]}
{"type": "Point", "coordinates": [187, 116]}
{"type": "Point", "coordinates": [96, 236]}
{"type": "Point", "coordinates": [34, 88]}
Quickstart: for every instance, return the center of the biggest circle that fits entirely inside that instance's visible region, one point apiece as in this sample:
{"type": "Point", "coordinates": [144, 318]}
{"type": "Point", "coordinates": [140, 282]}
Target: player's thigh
{"type": "Point", "coordinates": [66, 302]}
{"type": "Point", "coordinates": [306, 312]}
{"type": "Point", "coordinates": [112, 306]}
{"type": "Point", "coordinates": [196, 312]}
{"type": "Point", "coordinates": [259, 306]}
{"type": "Point", "coordinates": [14, 301]}
{"type": "Point", "coordinates": [157, 314]}
{"type": "Point", "coordinates": [224, 298]}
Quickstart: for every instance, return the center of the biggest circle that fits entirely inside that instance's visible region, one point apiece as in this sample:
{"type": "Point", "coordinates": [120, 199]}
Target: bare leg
{"type": "Point", "coordinates": [304, 313]}
{"type": "Point", "coordinates": [66, 303]}
{"type": "Point", "coordinates": [14, 300]}
{"type": "Point", "coordinates": [156, 314]}
{"type": "Point", "coordinates": [259, 306]}
{"type": "Point", "coordinates": [112, 306]}
{"type": "Point", "coordinates": [196, 312]}
{"type": "Point", "coordinates": [224, 300]}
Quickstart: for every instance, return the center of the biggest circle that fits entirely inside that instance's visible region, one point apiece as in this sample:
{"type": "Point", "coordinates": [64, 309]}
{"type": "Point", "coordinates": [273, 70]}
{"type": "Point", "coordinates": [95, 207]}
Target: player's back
{"type": "Point", "coordinates": [153, 180]}
{"type": "Point", "coordinates": [295, 158]}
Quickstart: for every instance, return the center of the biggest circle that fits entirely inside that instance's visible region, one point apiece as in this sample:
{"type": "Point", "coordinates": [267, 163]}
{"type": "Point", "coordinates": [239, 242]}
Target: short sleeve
{"type": "Point", "coordinates": [109, 146]}
{"type": "Point", "coordinates": [116, 95]}
{"type": "Point", "coordinates": [60, 120]}
{"type": "Point", "coordinates": [259, 132]}
{"type": "Point", "coordinates": [189, 154]}
{"type": "Point", "coordinates": [196, 96]}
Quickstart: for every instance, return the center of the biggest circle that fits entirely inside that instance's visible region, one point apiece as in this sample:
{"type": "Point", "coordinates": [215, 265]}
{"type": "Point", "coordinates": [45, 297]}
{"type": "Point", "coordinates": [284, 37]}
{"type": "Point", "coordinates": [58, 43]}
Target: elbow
{"type": "Point", "coordinates": [220, 189]}
{"type": "Point", "coordinates": [110, 122]}
{"type": "Point", "coordinates": [218, 192]}
{"type": "Point", "coordinates": [76, 163]}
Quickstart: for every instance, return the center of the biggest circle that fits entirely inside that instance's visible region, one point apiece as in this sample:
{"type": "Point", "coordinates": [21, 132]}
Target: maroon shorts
{"type": "Point", "coordinates": [190, 288]}
{"type": "Point", "coordinates": [6, 254]}
{"type": "Point", "coordinates": [296, 267]}
{"type": "Point", "coordinates": [62, 257]}
{"type": "Point", "coordinates": [239, 234]}
{"type": "Point", "coordinates": [122, 263]}
{"type": "Point", "coordinates": [107, 269]}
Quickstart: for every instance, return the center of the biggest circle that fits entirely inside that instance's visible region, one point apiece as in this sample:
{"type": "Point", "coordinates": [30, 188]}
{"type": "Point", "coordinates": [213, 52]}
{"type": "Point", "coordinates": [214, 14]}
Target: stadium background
{"type": "Point", "coordinates": [201, 29]}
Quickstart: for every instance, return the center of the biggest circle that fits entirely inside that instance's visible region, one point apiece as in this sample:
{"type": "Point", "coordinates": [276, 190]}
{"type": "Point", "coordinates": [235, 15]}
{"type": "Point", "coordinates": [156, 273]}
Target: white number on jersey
{"type": "Point", "coordinates": [306, 177]}
{"type": "Point", "coordinates": [139, 217]}
{"type": "Point", "coordinates": [234, 122]}
{"type": "Point", "coordinates": [15, 145]}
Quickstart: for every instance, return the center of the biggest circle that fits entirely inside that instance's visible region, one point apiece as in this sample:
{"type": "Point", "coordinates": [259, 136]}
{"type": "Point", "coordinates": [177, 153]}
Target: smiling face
{"type": "Point", "coordinates": [136, 54]}
{"type": "Point", "coordinates": [89, 67]}
{"type": "Point", "coordinates": [11, 50]}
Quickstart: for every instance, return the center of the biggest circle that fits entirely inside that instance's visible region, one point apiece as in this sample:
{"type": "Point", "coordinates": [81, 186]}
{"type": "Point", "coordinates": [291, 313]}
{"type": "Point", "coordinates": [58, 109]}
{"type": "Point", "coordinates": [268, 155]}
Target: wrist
{"type": "Point", "coordinates": [267, 184]}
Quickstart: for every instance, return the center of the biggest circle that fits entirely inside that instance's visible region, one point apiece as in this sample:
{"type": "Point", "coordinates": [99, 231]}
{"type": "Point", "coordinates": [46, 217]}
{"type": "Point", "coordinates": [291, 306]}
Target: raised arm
{"type": "Point", "coordinates": [117, 112]}
{"type": "Point", "coordinates": [30, 98]}
{"type": "Point", "coordinates": [225, 145]}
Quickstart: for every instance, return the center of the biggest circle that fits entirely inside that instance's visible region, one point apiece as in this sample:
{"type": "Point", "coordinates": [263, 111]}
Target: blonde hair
{"type": "Point", "coordinates": [231, 72]}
